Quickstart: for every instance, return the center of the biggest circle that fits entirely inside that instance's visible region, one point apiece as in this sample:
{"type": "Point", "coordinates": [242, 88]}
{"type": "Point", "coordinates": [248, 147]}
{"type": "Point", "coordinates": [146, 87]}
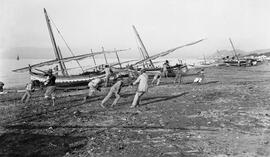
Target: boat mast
{"type": "Point", "coordinates": [233, 49]}
{"type": "Point", "coordinates": [118, 58]}
{"type": "Point", "coordinates": [204, 59]}
{"type": "Point", "coordinates": [61, 57]}
{"type": "Point", "coordinates": [56, 50]}
{"type": "Point", "coordinates": [144, 51]}
{"type": "Point", "coordinates": [140, 49]}
{"type": "Point", "coordinates": [93, 57]}
{"type": "Point", "coordinates": [104, 55]}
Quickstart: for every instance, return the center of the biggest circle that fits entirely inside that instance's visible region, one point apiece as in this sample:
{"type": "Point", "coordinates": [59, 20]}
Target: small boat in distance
{"type": "Point", "coordinates": [18, 57]}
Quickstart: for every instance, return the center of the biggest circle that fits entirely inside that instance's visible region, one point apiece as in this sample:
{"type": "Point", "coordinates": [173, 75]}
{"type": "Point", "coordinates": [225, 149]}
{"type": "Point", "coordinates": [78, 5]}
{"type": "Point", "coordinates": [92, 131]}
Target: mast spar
{"type": "Point", "coordinates": [57, 53]}
{"type": "Point", "coordinates": [104, 55]}
{"type": "Point", "coordinates": [93, 57]}
{"type": "Point", "coordinates": [144, 51]}
{"type": "Point", "coordinates": [118, 58]}
{"type": "Point", "coordinates": [233, 49]}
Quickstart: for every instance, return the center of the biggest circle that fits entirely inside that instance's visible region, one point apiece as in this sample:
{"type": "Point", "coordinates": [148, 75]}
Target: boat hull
{"type": "Point", "coordinates": [75, 80]}
{"type": "Point", "coordinates": [64, 81]}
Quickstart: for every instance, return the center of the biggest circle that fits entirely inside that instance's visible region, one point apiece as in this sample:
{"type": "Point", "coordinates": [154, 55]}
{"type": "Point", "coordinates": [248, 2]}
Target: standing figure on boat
{"type": "Point", "coordinates": [165, 68]}
{"type": "Point", "coordinates": [108, 73]}
{"type": "Point", "coordinates": [50, 86]}
{"type": "Point", "coordinates": [55, 69]}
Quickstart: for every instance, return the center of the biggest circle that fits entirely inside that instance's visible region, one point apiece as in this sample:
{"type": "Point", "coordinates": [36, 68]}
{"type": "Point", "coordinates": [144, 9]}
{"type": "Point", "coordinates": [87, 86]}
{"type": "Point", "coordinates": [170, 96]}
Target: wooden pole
{"type": "Point", "coordinates": [118, 58]}
{"type": "Point", "coordinates": [204, 59]}
{"type": "Point", "coordinates": [56, 50]}
{"type": "Point", "coordinates": [142, 46]}
{"type": "Point", "coordinates": [64, 70]}
{"type": "Point", "coordinates": [104, 55]}
{"type": "Point", "coordinates": [144, 58]}
{"type": "Point", "coordinates": [93, 57]}
{"type": "Point", "coordinates": [233, 49]}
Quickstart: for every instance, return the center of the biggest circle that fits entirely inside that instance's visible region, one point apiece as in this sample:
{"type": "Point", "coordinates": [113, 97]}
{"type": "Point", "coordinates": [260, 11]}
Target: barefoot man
{"type": "Point", "coordinates": [93, 85]}
{"type": "Point", "coordinates": [142, 88]}
{"type": "Point", "coordinates": [115, 89]}
{"type": "Point", "coordinates": [157, 78]}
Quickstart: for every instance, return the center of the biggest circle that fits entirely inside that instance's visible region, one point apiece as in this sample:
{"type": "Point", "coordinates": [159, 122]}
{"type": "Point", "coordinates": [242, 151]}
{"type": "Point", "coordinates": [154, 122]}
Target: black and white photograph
{"type": "Point", "coordinates": [134, 78]}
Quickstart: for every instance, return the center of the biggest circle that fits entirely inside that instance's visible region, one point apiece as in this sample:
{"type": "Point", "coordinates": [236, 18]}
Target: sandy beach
{"type": "Point", "coordinates": [228, 115]}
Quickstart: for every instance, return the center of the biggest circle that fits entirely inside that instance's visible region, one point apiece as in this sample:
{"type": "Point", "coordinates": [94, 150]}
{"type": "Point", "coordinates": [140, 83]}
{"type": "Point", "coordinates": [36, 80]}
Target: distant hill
{"type": "Point", "coordinates": [224, 53]}
{"type": "Point", "coordinates": [265, 52]}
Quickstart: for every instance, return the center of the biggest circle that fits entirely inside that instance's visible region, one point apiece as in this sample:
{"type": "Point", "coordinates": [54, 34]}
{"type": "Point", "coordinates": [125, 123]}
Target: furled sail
{"type": "Point", "coordinates": [67, 59]}
{"type": "Point", "coordinates": [166, 52]}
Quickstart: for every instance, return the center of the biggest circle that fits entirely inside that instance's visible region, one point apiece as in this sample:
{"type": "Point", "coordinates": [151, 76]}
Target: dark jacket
{"type": "Point", "coordinates": [51, 80]}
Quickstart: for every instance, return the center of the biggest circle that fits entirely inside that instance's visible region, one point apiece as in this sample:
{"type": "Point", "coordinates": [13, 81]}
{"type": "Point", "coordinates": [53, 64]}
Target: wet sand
{"type": "Point", "coordinates": [228, 115]}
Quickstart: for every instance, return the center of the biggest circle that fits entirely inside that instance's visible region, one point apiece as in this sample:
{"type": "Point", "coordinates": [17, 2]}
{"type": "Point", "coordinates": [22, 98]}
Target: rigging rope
{"type": "Point", "coordinates": [65, 43]}
{"type": "Point", "coordinates": [141, 51]}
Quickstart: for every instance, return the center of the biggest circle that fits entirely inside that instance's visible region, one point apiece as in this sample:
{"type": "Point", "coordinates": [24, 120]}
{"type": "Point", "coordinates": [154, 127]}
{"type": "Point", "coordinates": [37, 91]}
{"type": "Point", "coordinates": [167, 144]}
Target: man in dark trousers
{"type": "Point", "coordinates": [50, 86]}
{"type": "Point", "coordinates": [165, 68]}
{"type": "Point", "coordinates": [108, 72]}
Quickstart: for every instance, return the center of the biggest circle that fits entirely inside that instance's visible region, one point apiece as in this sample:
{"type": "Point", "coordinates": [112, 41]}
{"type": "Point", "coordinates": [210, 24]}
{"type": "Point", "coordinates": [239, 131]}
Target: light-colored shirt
{"type": "Point", "coordinates": [107, 71]}
{"type": "Point", "coordinates": [142, 80]}
{"type": "Point", "coordinates": [117, 86]}
{"type": "Point", "coordinates": [29, 86]}
{"type": "Point", "coordinates": [157, 75]}
{"type": "Point", "coordinates": [94, 83]}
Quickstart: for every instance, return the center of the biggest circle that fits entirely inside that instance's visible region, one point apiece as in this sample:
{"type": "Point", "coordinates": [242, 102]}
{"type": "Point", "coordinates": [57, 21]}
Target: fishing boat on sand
{"type": "Point", "coordinates": [237, 61]}
{"type": "Point", "coordinates": [65, 79]}
{"type": "Point", "coordinates": [147, 61]}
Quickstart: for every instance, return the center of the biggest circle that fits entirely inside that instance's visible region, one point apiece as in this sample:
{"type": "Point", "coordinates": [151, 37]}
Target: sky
{"type": "Point", "coordinates": [162, 24]}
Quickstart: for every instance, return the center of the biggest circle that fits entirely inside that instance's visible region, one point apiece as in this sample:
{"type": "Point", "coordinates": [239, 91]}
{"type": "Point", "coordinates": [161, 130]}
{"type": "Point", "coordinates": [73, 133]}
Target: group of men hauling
{"type": "Point", "coordinates": [96, 84]}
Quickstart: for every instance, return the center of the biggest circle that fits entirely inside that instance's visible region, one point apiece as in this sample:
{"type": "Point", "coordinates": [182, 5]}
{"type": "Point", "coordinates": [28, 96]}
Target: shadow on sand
{"type": "Point", "coordinates": [161, 98]}
{"type": "Point", "coordinates": [19, 144]}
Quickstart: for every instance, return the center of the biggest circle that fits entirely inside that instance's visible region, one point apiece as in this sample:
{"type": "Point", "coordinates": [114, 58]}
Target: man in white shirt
{"type": "Point", "coordinates": [93, 85]}
{"type": "Point", "coordinates": [29, 88]}
{"type": "Point", "coordinates": [200, 79]}
{"type": "Point", "coordinates": [142, 88]}
{"type": "Point", "coordinates": [115, 89]}
{"type": "Point", "coordinates": [157, 78]}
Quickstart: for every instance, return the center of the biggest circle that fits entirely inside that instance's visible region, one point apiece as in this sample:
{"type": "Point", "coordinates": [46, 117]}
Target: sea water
{"type": "Point", "coordinates": [19, 79]}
